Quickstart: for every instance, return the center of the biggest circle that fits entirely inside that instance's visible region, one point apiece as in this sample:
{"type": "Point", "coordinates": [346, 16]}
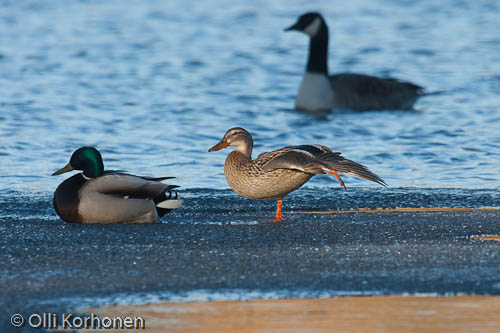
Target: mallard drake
{"type": "Point", "coordinates": [273, 175]}
{"type": "Point", "coordinates": [98, 196]}
{"type": "Point", "coordinates": [318, 91]}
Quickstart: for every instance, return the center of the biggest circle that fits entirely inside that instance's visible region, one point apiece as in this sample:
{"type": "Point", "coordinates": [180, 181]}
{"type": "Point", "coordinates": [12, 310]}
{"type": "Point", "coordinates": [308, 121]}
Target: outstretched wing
{"type": "Point", "coordinates": [336, 163]}
{"type": "Point", "coordinates": [316, 159]}
{"type": "Point", "coordinates": [303, 158]}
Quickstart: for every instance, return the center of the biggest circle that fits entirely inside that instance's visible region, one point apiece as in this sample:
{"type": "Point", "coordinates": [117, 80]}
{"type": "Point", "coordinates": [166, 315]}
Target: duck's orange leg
{"type": "Point", "coordinates": [278, 218]}
{"type": "Point", "coordinates": [336, 175]}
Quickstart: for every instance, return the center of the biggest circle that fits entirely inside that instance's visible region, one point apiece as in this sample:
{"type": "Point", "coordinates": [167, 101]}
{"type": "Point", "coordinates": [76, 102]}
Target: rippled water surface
{"type": "Point", "coordinates": [154, 84]}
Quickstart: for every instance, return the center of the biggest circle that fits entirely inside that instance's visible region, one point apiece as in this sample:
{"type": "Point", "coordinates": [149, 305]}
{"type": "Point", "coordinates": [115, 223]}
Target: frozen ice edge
{"type": "Point", "coordinates": [81, 303]}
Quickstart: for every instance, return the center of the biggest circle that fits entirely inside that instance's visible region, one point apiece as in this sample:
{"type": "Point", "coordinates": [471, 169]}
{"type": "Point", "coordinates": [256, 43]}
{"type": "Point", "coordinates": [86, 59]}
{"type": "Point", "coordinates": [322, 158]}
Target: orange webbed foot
{"type": "Point", "coordinates": [280, 219]}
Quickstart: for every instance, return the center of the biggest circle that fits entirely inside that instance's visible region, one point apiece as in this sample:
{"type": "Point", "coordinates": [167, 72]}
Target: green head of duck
{"type": "Point", "coordinates": [87, 159]}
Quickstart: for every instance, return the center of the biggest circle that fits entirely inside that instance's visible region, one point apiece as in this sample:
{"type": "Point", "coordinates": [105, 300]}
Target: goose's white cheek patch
{"type": "Point", "coordinates": [313, 28]}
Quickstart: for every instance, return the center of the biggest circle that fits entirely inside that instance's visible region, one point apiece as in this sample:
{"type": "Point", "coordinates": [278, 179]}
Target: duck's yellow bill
{"type": "Point", "coordinates": [219, 146]}
{"type": "Point", "coordinates": [66, 168]}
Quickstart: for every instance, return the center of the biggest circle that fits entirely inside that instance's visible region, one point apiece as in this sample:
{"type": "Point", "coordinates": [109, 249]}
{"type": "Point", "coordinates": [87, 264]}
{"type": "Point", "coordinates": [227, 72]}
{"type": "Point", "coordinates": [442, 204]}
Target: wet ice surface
{"type": "Point", "coordinates": [196, 254]}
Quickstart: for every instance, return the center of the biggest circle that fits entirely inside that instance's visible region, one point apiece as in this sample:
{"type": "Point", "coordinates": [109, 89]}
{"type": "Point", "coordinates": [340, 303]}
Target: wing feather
{"type": "Point", "coordinates": [338, 163]}
{"type": "Point", "coordinates": [123, 184]}
{"type": "Point", "coordinates": [314, 159]}
{"type": "Point", "coordinates": [302, 158]}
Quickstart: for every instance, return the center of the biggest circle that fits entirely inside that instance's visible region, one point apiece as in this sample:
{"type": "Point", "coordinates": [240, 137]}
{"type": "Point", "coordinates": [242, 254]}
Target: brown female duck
{"type": "Point", "coordinates": [273, 175]}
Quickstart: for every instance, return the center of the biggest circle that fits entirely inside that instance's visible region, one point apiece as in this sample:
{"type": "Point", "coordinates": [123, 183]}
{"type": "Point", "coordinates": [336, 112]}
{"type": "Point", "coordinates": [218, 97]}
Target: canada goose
{"type": "Point", "coordinates": [319, 91]}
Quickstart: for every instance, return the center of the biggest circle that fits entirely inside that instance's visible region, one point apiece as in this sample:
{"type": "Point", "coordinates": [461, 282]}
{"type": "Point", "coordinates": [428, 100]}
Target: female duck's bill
{"type": "Point", "coordinates": [273, 175]}
{"type": "Point", "coordinates": [319, 91]}
{"type": "Point", "coordinates": [99, 196]}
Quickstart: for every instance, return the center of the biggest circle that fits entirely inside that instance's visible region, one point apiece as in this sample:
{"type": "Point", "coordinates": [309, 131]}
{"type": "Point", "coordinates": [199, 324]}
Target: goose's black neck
{"type": "Point", "coordinates": [318, 52]}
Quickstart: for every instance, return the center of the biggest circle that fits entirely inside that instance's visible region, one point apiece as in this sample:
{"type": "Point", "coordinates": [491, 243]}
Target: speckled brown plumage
{"type": "Point", "coordinates": [273, 175]}
{"type": "Point", "coordinates": [248, 178]}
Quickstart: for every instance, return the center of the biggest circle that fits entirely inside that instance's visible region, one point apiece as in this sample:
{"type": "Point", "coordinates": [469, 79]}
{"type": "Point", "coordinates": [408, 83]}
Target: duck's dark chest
{"type": "Point", "coordinates": [66, 198]}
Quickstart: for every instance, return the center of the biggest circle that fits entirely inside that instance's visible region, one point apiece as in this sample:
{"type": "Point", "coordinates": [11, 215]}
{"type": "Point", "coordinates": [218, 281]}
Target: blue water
{"type": "Point", "coordinates": [154, 84]}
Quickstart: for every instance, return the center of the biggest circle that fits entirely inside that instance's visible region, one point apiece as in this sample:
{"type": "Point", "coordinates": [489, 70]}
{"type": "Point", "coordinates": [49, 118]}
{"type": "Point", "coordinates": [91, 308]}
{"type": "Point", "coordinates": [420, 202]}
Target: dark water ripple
{"type": "Point", "coordinates": [155, 84]}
